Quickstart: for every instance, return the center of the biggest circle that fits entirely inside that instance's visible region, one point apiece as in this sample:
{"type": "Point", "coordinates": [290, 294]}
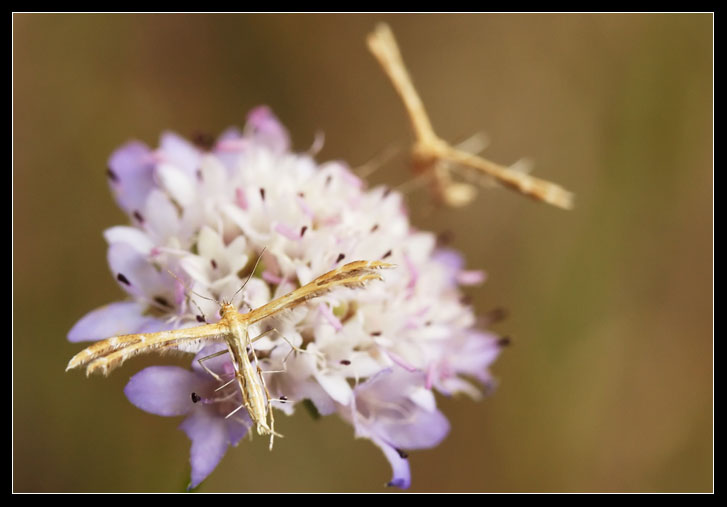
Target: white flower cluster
{"type": "Point", "coordinates": [375, 355]}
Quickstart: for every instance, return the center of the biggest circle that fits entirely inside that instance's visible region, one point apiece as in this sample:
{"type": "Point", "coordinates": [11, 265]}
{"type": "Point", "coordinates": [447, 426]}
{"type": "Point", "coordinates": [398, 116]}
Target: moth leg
{"type": "Point", "coordinates": [273, 434]}
{"type": "Point", "coordinates": [244, 423]}
{"type": "Point", "coordinates": [234, 411]}
{"type": "Point", "coordinates": [263, 335]}
{"type": "Point", "coordinates": [226, 397]}
{"type": "Point", "coordinates": [249, 427]}
{"type": "Point", "coordinates": [268, 332]}
{"type": "Point", "coordinates": [292, 347]}
{"type": "Point", "coordinates": [211, 356]}
{"type": "Point", "coordinates": [226, 384]}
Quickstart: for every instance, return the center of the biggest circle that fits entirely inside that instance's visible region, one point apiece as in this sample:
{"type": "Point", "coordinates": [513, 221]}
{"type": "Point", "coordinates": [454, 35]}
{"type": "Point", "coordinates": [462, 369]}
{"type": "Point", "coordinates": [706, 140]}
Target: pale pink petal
{"type": "Point", "coordinates": [287, 231]}
{"type": "Point", "coordinates": [327, 313]}
{"type": "Point", "coordinates": [472, 277]}
{"type": "Point", "coordinates": [266, 129]}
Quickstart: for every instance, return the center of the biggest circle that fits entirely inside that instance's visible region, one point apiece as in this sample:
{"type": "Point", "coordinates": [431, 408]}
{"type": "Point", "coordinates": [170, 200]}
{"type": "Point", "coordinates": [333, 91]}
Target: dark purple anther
{"type": "Point", "coordinates": [504, 341]}
{"type": "Point", "coordinates": [203, 140]}
{"type": "Point", "coordinates": [161, 301]}
{"type": "Point", "coordinates": [445, 237]}
{"type": "Point", "coordinates": [496, 315]}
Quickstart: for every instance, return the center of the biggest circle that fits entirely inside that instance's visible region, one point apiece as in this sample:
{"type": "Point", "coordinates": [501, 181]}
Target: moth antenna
{"type": "Point", "coordinates": [187, 289]}
{"type": "Point", "coordinates": [251, 273]}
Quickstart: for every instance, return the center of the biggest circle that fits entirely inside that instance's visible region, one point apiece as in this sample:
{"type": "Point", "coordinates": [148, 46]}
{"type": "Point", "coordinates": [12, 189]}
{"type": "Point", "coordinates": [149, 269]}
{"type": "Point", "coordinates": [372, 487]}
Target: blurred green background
{"type": "Point", "coordinates": [608, 384]}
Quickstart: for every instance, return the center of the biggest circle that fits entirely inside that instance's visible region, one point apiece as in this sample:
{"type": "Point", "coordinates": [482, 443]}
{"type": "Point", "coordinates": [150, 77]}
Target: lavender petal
{"type": "Point", "coordinates": [399, 465]}
{"type": "Point", "coordinates": [236, 430]}
{"type": "Point", "coordinates": [179, 152]}
{"type": "Point", "coordinates": [427, 430]}
{"type": "Point", "coordinates": [131, 169]}
{"type": "Point", "coordinates": [210, 439]}
{"type": "Point", "coordinates": [111, 320]}
{"type": "Point", "coordinates": [136, 274]}
{"type": "Point", "coordinates": [162, 390]}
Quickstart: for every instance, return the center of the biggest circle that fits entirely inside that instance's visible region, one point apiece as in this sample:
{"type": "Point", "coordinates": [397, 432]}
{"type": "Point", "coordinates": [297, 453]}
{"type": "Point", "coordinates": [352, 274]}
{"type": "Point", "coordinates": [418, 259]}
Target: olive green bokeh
{"type": "Point", "coordinates": [608, 384]}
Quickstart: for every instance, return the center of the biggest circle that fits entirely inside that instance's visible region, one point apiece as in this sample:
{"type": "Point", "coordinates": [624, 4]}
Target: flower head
{"type": "Point", "coordinates": [199, 220]}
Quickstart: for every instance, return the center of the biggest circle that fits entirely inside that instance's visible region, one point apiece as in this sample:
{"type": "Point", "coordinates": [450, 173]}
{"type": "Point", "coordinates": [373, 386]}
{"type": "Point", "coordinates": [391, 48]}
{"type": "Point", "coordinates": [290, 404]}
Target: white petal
{"type": "Point", "coordinates": [131, 235]}
{"type": "Point", "coordinates": [209, 244]}
{"type": "Point", "coordinates": [177, 183]}
{"type": "Point", "coordinates": [304, 274]}
{"type": "Point", "coordinates": [197, 268]}
{"type": "Point", "coordinates": [424, 398]}
{"type": "Point", "coordinates": [336, 387]}
{"type": "Point", "coordinates": [161, 215]}
{"type": "Point", "coordinates": [214, 174]}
